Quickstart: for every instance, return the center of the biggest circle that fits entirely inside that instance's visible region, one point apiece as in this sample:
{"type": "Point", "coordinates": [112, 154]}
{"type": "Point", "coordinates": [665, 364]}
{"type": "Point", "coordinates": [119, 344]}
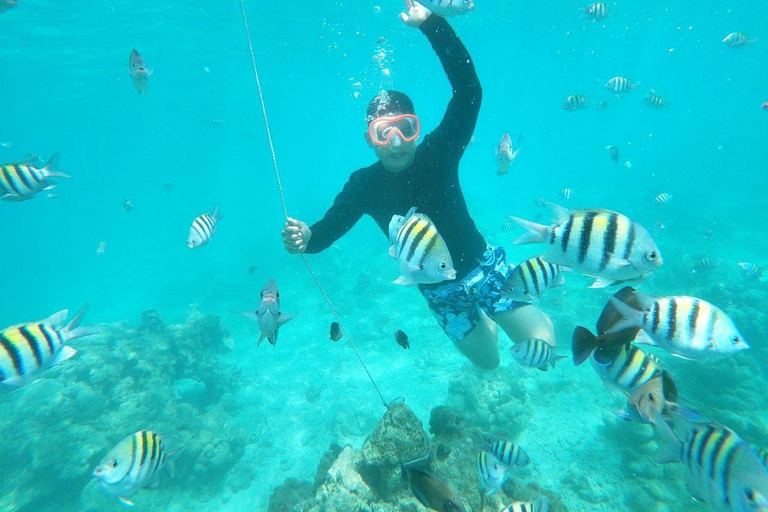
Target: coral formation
{"type": "Point", "coordinates": [156, 376]}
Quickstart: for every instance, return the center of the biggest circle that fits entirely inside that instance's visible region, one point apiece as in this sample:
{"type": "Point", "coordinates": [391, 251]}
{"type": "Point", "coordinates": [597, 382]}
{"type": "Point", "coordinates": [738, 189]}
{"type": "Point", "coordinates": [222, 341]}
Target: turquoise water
{"type": "Point", "coordinates": [65, 89]}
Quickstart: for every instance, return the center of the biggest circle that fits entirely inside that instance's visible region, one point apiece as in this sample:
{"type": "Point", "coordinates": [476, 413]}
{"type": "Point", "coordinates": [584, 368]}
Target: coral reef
{"type": "Point", "coordinates": [155, 376]}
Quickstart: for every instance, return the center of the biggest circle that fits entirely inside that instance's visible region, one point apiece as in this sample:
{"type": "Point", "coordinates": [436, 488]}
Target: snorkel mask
{"type": "Point", "coordinates": [381, 130]}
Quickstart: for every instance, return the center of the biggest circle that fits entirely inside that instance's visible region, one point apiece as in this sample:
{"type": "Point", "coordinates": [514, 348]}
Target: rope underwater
{"type": "Point", "coordinates": [285, 208]}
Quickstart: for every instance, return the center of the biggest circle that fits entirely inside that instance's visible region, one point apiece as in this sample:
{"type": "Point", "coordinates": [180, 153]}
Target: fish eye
{"type": "Point", "coordinates": [651, 256]}
{"type": "Point", "coordinates": [749, 493]}
{"type": "Point", "coordinates": [736, 340]}
{"type": "Point", "coordinates": [114, 464]}
{"type": "Point", "coordinates": [442, 266]}
{"type": "Point", "coordinates": [651, 397]}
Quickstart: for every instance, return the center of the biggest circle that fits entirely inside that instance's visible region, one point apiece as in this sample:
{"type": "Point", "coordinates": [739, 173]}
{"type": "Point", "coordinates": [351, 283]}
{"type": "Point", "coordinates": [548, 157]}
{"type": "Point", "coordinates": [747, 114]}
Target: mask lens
{"type": "Point", "coordinates": [407, 126]}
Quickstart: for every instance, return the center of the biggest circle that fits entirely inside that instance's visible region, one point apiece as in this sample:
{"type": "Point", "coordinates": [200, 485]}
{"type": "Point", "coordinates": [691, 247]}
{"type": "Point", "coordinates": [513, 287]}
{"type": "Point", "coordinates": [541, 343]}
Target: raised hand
{"type": "Point", "coordinates": [416, 15]}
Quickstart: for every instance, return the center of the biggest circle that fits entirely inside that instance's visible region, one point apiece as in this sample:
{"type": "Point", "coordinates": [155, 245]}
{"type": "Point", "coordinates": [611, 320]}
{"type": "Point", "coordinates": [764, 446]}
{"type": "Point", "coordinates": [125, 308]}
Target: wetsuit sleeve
{"type": "Point", "coordinates": [340, 218]}
{"type": "Point", "coordinates": [453, 134]}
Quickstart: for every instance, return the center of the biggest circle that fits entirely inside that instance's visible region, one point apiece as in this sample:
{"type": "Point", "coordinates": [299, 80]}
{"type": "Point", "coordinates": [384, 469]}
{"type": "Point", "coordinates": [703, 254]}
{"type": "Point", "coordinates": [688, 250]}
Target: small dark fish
{"type": "Point", "coordinates": [335, 331]}
{"type": "Point", "coordinates": [764, 106]}
{"type": "Point", "coordinates": [252, 269]}
{"type": "Point", "coordinates": [660, 224]}
{"type": "Point", "coordinates": [402, 339]}
{"type": "Point", "coordinates": [127, 206]}
{"type": "Point", "coordinates": [431, 492]}
{"type": "Point", "coordinates": [614, 152]}
{"type": "Point", "coordinates": [705, 264]}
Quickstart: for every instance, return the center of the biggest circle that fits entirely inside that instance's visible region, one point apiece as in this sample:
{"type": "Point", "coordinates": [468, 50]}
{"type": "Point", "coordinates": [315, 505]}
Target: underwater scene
{"type": "Point", "coordinates": [369, 256]}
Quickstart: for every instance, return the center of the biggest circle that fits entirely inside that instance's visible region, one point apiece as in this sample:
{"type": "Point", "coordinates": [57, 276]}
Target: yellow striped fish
{"type": "Point", "coordinates": [653, 100]}
{"type": "Point", "coordinates": [531, 278]}
{"type": "Point", "coordinates": [490, 472]}
{"type": "Point", "coordinates": [540, 505]}
{"type": "Point", "coordinates": [597, 10]}
{"type": "Point", "coordinates": [575, 102]}
{"type": "Point", "coordinates": [509, 453]}
{"type": "Point", "coordinates": [600, 243]}
{"type": "Point", "coordinates": [721, 469]}
{"type": "Point", "coordinates": [737, 39]}
{"type": "Point", "coordinates": [421, 251]}
{"type": "Point", "coordinates": [203, 228]}
{"type": "Point", "coordinates": [134, 463]}
{"type": "Point", "coordinates": [687, 327]}
{"type": "Point", "coordinates": [22, 181]}
{"type": "Point", "coordinates": [535, 353]}
{"type": "Point", "coordinates": [28, 349]}
{"type": "Point", "coordinates": [619, 85]}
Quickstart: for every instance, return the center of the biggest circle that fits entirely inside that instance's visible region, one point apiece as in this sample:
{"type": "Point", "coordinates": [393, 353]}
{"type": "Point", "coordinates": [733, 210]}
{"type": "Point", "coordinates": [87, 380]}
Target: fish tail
{"type": "Point", "coordinates": [536, 233]}
{"type": "Point", "coordinates": [555, 359]}
{"type": "Point", "coordinates": [215, 215]}
{"type": "Point", "coordinates": [170, 461]}
{"type": "Point", "coordinates": [72, 330]}
{"type": "Point", "coordinates": [583, 344]}
{"type": "Point", "coordinates": [541, 504]}
{"type": "Point", "coordinates": [50, 170]}
{"type": "Point", "coordinates": [630, 317]}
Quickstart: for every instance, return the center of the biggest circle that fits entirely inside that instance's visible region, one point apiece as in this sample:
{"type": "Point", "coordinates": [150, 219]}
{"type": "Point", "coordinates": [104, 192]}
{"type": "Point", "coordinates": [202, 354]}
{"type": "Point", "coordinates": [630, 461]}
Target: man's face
{"type": "Point", "coordinates": [397, 154]}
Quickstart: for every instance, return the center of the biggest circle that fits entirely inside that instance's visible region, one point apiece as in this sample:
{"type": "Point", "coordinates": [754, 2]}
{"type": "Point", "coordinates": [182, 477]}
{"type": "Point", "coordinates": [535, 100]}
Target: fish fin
{"type": "Point", "coordinates": [404, 280]}
{"type": "Point", "coordinates": [558, 214]}
{"type": "Point", "coordinates": [126, 501]}
{"type": "Point", "coordinates": [541, 504]}
{"type": "Point", "coordinates": [52, 164]}
{"type": "Point", "coordinates": [537, 233]}
{"type": "Point", "coordinates": [669, 449]}
{"type": "Point", "coordinates": [516, 152]}
{"type": "Point", "coordinates": [645, 300]}
{"type": "Point", "coordinates": [555, 359]}
{"type": "Point", "coordinates": [18, 382]}
{"type": "Point", "coordinates": [609, 315]}
{"type": "Point", "coordinates": [630, 317]}
{"type": "Point", "coordinates": [215, 215]}
{"type": "Point", "coordinates": [250, 314]}
{"type": "Point", "coordinates": [681, 356]}
{"type": "Point", "coordinates": [12, 198]}
{"type": "Point", "coordinates": [65, 353]}
{"type": "Point", "coordinates": [558, 281]}
{"type": "Point", "coordinates": [622, 414]}
{"type": "Point", "coordinates": [582, 345]}
{"type": "Point", "coordinates": [602, 282]}
{"type": "Point", "coordinates": [73, 331]}
{"type": "Point", "coordinates": [57, 320]}
{"type": "Point", "coordinates": [50, 186]}
{"type": "Point", "coordinates": [411, 212]}
{"type": "Point", "coordinates": [565, 269]}
{"type": "Point", "coordinates": [282, 318]}
{"type": "Point", "coordinates": [170, 461]}
{"type": "Point", "coordinates": [686, 413]}
{"type": "Point", "coordinates": [618, 262]}
{"type": "Point", "coordinates": [392, 251]}
{"type": "Point", "coordinates": [643, 338]}
{"type": "Point", "coordinates": [261, 338]}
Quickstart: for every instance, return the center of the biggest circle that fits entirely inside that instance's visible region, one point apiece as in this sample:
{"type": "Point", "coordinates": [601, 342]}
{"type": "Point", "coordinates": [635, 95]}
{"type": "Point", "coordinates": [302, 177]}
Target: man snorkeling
{"type": "Point", "coordinates": [426, 176]}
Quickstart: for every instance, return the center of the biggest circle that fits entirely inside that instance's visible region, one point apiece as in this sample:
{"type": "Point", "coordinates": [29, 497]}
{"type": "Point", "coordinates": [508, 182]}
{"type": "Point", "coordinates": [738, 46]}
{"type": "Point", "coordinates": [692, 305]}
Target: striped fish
{"type": "Point", "coordinates": [653, 100]}
{"type": "Point", "coordinates": [529, 280]}
{"type": "Point", "coordinates": [663, 198]}
{"type": "Point", "coordinates": [420, 250]}
{"type": "Point", "coordinates": [614, 152]}
{"type": "Point", "coordinates": [597, 10]}
{"type": "Point", "coordinates": [575, 102]}
{"type": "Point", "coordinates": [134, 463]}
{"type": "Point", "coordinates": [22, 181]}
{"type": "Point", "coordinates": [28, 349]}
{"type": "Point", "coordinates": [507, 226]}
{"type": "Point", "coordinates": [101, 248]}
{"type": "Point", "coordinates": [619, 85]}
{"type": "Point", "coordinates": [567, 193]}
{"type": "Point", "coordinates": [598, 243]}
{"type": "Point", "coordinates": [737, 39]}
{"type": "Point", "coordinates": [540, 505]}
{"type": "Point", "coordinates": [705, 264]}
{"type": "Point", "coordinates": [535, 353]}
{"type": "Point", "coordinates": [541, 202]}
{"type": "Point", "coordinates": [490, 472]}
{"type": "Point", "coordinates": [751, 270]}
{"type": "Point", "coordinates": [721, 469]}
{"type": "Point", "coordinates": [509, 454]}
{"type": "Point", "coordinates": [203, 228]}
{"type": "Point", "coordinates": [687, 327]}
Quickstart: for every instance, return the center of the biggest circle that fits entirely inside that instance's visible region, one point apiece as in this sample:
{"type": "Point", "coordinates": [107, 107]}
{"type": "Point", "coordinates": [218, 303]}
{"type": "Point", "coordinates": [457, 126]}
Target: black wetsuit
{"type": "Point", "coordinates": [431, 183]}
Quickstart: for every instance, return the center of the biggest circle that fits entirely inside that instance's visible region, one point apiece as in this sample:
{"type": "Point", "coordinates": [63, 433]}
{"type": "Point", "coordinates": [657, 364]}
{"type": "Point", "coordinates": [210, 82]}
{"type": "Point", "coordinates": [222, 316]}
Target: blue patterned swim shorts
{"type": "Point", "coordinates": [457, 305]}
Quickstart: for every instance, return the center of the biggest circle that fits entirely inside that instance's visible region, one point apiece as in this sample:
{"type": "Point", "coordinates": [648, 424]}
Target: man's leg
{"type": "Point", "coordinates": [526, 322]}
{"type": "Point", "coordinates": [481, 345]}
